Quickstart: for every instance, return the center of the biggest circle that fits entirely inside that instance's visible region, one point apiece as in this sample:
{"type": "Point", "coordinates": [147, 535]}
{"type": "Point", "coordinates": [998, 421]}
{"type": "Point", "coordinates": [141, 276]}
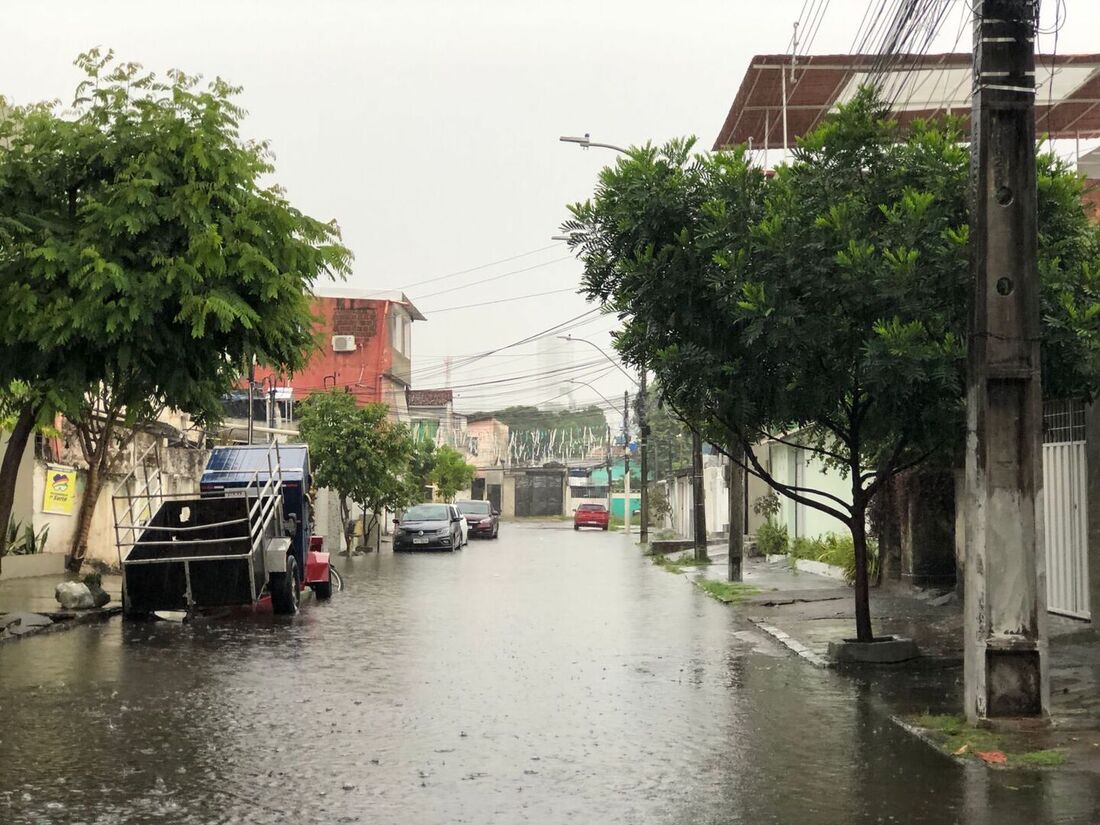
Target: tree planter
{"type": "Point", "coordinates": [25, 567]}
{"type": "Point", "coordinates": [884, 650]}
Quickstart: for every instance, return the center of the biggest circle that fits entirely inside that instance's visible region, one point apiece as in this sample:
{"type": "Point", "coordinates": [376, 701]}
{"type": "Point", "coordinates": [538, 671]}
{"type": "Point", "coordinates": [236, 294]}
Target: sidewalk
{"type": "Point", "coordinates": [805, 612]}
{"type": "Point", "coordinates": [22, 600]}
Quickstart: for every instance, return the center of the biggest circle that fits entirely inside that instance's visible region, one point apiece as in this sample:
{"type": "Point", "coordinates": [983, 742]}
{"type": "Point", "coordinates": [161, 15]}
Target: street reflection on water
{"type": "Point", "coordinates": [545, 677]}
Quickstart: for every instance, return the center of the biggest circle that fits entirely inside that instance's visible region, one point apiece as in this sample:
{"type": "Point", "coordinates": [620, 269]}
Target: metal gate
{"type": "Point", "coordinates": [539, 494]}
{"type": "Point", "coordinates": [1065, 515]}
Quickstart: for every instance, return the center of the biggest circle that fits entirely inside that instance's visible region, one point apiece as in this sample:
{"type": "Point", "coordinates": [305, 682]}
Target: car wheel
{"type": "Point", "coordinates": [576, 527]}
{"type": "Point", "coordinates": [496, 531]}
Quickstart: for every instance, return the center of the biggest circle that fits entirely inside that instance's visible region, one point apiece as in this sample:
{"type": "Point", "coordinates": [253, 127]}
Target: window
{"type": "Point", "coordinates": [401, 332]}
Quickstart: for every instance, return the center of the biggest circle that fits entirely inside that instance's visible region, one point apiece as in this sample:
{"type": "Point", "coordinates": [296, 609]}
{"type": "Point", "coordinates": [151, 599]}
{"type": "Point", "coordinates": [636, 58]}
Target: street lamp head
{"type": "Point", "coordinates": [583, 141]}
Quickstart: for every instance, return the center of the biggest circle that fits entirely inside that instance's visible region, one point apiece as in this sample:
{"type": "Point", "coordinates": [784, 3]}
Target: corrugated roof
{"type": "Point", "coordinates": [1067, 100]}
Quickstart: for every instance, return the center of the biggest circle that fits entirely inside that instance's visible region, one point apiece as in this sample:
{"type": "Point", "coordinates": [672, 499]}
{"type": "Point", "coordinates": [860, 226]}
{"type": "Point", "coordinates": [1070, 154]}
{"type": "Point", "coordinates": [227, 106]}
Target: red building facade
{"type": "Point", "coordinates": [365, 349]}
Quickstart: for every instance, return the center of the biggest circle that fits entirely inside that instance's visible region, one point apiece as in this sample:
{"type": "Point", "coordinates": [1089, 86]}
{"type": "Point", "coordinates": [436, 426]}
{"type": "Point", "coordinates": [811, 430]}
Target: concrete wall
{"type": "Point", "coordinates": [181, 470]}
{"type": "Point", "coordinates": [23, 505]}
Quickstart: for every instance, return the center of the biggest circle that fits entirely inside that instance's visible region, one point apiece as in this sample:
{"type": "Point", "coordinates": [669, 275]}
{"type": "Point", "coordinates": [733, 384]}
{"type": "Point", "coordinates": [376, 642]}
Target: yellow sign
{"type": "Point", "coordinates": [60, 490]}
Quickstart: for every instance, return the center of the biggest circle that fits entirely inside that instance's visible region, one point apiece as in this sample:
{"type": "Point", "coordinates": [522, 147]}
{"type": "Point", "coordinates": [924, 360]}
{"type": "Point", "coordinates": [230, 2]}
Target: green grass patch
{"type": "Point", "coordinates": [1041, 759]}
{"type": "Point", "coordinates": [678, 565]}
{"type": "Point", "coordinates": [728, 592]}
{"type": "Point", "coordinates": [954, 736]}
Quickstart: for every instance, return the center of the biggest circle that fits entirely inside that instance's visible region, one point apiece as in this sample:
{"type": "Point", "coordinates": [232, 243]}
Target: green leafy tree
{"type": "Point", "coordinates": [144, 260]}
{"type": "Point", "coordinates": [451, 473]}
{"type": "Point", "coordinates": [359, 454]}
{"type": "Point", "coordinates": [421, 465]}
{"type": "Point", "coordinates": [825, 308]}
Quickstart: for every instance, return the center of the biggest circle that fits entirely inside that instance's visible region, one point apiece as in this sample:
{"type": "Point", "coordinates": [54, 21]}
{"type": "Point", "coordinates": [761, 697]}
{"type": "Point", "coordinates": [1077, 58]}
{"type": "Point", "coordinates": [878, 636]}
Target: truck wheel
{"type": "Point", "coordinates": [323, 590]}
{"type": "Point", "coordinates": [284, 589]}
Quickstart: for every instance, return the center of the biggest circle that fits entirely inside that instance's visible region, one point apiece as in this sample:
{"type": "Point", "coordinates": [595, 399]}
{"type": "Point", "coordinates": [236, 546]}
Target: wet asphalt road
{"type": "Point", "coordinates": [545, 677]}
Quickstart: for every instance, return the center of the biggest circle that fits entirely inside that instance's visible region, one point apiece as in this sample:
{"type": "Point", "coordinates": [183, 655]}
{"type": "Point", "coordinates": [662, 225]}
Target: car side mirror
{"type": "Point", "coordinates": [496, 512]}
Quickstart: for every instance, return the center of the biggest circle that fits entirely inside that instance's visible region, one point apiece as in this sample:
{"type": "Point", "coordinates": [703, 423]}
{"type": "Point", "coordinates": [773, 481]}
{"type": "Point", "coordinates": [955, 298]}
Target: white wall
{"type": "Point", "coordinates": [791, 465]}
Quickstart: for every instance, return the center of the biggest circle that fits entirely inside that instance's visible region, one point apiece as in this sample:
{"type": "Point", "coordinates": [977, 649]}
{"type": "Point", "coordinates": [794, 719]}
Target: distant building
{"type": "Point", "coordinates": [488, 442]}
{"type": "Point", "coordinates": [366, 350]}
{"type": "Point", "coordinates": [433, 418]}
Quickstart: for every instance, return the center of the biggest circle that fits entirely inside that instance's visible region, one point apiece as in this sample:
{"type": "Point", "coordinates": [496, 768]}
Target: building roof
{"type": "Point", "coordinates": [473, 419]}
{"type": "Point", "coordinates": [429, 398]}
{"type": "Point", "coordinates": [389, 295]}
{"type": "Point", "coordinates": [1067, 100]}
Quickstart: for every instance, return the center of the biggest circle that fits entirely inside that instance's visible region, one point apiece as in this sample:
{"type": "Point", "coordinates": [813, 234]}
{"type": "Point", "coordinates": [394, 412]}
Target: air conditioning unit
{"type": "Point", "coordinates": [343, 343]}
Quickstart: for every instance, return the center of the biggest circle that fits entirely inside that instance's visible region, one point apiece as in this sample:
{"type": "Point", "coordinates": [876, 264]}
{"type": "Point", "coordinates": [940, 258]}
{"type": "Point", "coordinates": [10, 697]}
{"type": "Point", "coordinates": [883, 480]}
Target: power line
{"type": "Point", "coordinates": [479, 267]}
{"type": "Point", "coordinates": [493, 278]}
{"type": "Point", "coordinates": [501, 300]}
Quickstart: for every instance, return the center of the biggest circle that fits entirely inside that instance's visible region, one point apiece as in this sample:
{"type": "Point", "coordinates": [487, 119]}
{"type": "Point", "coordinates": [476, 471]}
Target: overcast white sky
{"type": "Point", "coordinates": [429, 128]}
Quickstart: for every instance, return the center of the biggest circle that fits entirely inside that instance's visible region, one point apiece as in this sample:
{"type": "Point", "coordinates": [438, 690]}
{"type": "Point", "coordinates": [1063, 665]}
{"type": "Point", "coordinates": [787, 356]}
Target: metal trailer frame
{"type": "Point", "coordinates": [266, 504]}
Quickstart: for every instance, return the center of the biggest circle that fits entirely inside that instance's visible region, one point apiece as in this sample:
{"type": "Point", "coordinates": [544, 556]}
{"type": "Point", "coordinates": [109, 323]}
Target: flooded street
{"type": "Point", "coordinates": [545, 677]}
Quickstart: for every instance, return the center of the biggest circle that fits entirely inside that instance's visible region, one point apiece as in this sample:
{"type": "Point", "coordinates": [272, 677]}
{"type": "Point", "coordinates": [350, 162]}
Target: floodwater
{"type": "Point", "coordinates": [545, 677]}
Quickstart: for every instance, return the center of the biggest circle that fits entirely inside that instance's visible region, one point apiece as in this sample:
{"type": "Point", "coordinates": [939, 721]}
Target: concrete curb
{"type": "Point", "coordinates": [792, 644]}
{"type": "Point", "coordinates": [818, 568]}
{"type": "Point", "coordinates": [66, 621]}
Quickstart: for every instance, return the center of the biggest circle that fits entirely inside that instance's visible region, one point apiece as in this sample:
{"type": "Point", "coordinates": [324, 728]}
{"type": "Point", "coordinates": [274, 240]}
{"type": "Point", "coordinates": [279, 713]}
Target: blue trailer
{"type": "Point", "coordinates": [244, 538]}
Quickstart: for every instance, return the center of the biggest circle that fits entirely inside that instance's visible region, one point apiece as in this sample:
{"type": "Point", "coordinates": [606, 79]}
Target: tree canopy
{"type": "Point", "coordinates": [450, 472]}
{"type": "Point", "coordinates": [143, 250]}
{"type": "Point", "coordinates": [359, 453]}
{"type": "Point", "coordinates": [825, 307]}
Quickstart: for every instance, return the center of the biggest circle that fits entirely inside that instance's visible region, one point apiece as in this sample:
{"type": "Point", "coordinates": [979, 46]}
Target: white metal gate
{"type": "Point", "coordinates": [1065, 515]}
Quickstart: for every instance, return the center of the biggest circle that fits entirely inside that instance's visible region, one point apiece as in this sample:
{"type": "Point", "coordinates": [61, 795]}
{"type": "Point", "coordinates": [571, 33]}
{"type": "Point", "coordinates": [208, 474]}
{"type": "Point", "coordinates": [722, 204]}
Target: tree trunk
{"type": "Point", "coordinates": [736, 514]}
{"type": "Point", "coordinates": [9, 468]}
{"type": "Point", "coordinates": [345, 529]}
{"type": "Point", "coordinates": [862, 590]}
{"type": "Point", "coordinates": [79, 548]}
{"type": "Point", "coordinates": [698, 496]}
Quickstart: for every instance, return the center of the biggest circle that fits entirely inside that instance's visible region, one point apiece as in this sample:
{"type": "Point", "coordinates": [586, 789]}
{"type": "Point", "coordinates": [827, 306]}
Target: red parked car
{"type": "Point", "coordinates": [590, 515]}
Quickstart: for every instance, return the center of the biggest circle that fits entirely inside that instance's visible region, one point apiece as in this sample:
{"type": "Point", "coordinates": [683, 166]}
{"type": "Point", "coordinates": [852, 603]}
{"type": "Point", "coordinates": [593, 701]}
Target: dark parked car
{"type": "Point", "coordinates": [591, 515]}
{"type": "Point", "coordinates": [481, 517]}
{"type": "Point", "coordinates": [428, 527]}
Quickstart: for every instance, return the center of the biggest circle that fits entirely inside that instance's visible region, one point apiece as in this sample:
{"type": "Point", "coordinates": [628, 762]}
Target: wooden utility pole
{"type": "Point", "coordinates": [736, 485]}
{"type": "Point", "coordinates": [1005, 611]}
{"type": "Point", "coordinates": [698, 496]}
{"type": "Point", "coordinates": [643, 448]}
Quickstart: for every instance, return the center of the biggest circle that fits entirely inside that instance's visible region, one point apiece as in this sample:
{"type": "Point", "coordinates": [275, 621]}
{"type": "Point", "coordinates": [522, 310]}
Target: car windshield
{"type": "Point", "coordinates": [474, 507]}
{"type": "Point", "coordinates": [426, 512]}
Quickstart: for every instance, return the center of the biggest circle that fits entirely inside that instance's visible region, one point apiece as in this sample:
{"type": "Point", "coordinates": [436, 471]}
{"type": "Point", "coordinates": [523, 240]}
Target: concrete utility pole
{"type": "Point", "coordinates": [1005, 610]}
{"type": "Point", "coordinates": [609, 471]}
{"type": "Point", "coordinates": [643, 447]}
{"type": "Point", "coordinates": [626, 462]}
{"type": "Point", "coordinates": [698, 497]}
{"type": "Point", "coordinates": [736, 485]}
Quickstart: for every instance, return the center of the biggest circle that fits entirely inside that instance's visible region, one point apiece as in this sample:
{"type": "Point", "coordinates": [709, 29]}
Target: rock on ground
{"type": "Point", "coordinates": [74, 596]}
